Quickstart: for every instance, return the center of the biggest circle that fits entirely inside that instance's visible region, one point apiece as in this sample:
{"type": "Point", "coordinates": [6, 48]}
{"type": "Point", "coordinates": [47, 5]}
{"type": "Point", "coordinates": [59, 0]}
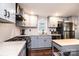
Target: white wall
{"type": "Point", "coordinates": [74, 19]}
{"type": "Point", "coordinates": [8, 31]}
{"type": "Point", "coordinates": [35, 31]}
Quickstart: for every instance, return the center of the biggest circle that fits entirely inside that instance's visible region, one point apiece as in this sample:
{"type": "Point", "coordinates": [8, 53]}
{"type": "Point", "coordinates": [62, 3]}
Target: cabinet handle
{"type": "Point", "coordinates": [8, 14]}
{"type": "Point", "coordinates": [5, 12]}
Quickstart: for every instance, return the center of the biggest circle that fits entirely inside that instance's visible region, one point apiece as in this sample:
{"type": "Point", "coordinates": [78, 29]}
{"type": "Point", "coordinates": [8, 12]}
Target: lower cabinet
{"type": "Point", "coordinates": [47, 42]}
{"type": "Point", "coordinates": [41, 41]}
{"type": "Point", "coordinates": [34, 42]}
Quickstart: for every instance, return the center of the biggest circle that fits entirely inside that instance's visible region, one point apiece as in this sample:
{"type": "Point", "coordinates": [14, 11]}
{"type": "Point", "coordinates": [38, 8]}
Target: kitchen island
{"type": "Point", "coordinates": [66, 46]}
{"type": "Point", "coordinates": [11, 48]}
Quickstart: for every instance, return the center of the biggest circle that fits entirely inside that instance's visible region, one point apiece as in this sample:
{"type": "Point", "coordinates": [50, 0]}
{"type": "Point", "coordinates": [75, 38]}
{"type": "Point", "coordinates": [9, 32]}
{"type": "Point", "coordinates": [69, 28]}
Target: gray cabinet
{"type": "Point", "coordinates": [34, 42]}
{"type": "Point", "coordinates": [47, 42]}
{"type": "Point", "coordinates": [41, 41]}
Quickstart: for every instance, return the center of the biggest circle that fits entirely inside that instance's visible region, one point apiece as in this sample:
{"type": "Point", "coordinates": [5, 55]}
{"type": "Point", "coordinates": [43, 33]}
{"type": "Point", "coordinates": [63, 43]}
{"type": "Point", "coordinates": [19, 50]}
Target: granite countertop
{"type": "Point", "coordinates": [11, 48]}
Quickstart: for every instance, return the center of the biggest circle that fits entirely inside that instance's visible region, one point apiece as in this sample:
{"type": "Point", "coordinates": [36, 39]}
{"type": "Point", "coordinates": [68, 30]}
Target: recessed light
{"type": "Point", "coordinates": [56, 14]}
{"type": "Point", "coordinates": [32, 12]}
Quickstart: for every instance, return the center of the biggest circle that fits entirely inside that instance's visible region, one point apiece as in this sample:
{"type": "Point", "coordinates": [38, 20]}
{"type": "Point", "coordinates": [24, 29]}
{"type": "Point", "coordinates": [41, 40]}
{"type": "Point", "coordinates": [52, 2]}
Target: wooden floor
{"type": "Point", "coordinates": [42, 52]}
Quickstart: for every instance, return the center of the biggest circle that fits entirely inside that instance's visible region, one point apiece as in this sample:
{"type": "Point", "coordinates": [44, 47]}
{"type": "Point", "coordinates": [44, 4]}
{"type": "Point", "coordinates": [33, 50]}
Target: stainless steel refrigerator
{"type": "Point", "coordinates": [68, 30]}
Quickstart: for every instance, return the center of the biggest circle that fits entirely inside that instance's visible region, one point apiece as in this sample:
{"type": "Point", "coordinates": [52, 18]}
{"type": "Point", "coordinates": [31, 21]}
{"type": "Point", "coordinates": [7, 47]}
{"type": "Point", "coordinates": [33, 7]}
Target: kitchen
{"type": "Point", "coordinates": [39, 29]}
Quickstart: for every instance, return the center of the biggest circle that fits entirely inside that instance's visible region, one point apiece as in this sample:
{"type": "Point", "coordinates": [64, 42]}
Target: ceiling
{"type": "Point", "coordinates": [51, 9]}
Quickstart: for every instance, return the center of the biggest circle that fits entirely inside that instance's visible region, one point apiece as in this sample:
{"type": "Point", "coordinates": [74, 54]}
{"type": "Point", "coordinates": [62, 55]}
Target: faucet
{"type": "Point", "coordinates": [43, 31]}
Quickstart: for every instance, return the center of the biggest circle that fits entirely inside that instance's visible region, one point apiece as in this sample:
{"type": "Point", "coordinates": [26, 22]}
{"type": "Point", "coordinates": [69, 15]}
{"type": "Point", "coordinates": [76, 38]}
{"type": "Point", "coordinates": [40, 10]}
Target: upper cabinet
{"type": "Point", "coordinates": [23, 19]}
{"type": "Point", "coordinates": [30, 20]}
{"type": "Point", "coordinates": [33, 21]}
{"type": "Point", "coordinates": [27, 21]}
{"type": "Point", "coordinates": [53, 21]}
{"type": "Point", "coordinates": [7, 12]}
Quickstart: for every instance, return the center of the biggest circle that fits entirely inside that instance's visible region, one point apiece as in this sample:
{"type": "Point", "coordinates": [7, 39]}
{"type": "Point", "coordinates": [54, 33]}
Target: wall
{"type": "Point", "coordinates": [35, 31]}
{"type": "Point", "coordinates": [8, 31]}
{"type": "Point", "coordinates": [74, 19]}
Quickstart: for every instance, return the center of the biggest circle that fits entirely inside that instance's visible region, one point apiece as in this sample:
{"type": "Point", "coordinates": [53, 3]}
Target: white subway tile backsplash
{"type": "Point", "coordinates": [8, 31]}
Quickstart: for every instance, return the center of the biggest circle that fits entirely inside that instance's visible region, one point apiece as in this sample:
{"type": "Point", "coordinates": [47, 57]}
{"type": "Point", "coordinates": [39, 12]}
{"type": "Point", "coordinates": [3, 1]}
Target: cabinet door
{"type": "Point", "coordinates": [11, 11]}
{"type": "Point", "coordinates": [7, 12]}
{"type": "Point", "coordinates": [34, 42]}
{"type": "Point", "coordinates": [30, 21]}
{"type": "Point", "coordinates": [40, 42]}
{"type": "Point", "coordinates": [53, 22]}
{"type": "Point", "coordinates": [44, 41]}
{"type": "Point", "coordinates": [47, 41]}
{"type": "Point", "coordinates": [2, 10]}
{"type": "Point", "coordinates": [27, 21]}
{"type": "Point", "coordinates": [33, 21]}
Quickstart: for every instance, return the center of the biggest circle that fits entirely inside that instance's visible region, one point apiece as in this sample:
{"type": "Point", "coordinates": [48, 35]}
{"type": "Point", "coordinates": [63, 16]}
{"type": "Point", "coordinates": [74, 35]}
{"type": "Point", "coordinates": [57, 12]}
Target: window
{"type": "Point", "coordinates": [42, 25]}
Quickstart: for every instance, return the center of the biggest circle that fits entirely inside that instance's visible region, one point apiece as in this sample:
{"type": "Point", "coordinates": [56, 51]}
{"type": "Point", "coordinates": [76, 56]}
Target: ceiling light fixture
{"type": "Point", "coordinates": [57, 14]}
